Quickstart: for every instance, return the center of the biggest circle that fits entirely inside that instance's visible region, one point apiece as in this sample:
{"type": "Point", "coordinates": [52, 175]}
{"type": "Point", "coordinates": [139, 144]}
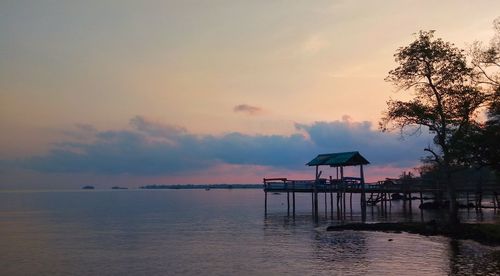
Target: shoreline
{"type": "Point", "coordinates": [486, 234]}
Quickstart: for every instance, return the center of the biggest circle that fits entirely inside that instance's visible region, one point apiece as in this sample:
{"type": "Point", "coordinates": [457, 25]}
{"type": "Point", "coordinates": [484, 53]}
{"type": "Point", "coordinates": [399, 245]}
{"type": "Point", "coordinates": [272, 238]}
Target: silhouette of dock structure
{"type": "Point", "coordinates": [341, 188]}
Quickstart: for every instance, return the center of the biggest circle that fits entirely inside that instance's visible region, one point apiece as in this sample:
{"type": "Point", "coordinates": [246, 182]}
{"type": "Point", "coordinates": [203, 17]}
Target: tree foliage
{"type": "Point", "coordinates": [446, 99]}
{"type": "Point", "coordinates": [486, 72]}
{"type": "Point", "coordinates": [486, 62]}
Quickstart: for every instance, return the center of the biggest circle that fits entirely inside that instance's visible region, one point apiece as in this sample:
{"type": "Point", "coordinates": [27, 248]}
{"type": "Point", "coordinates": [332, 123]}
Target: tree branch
{"type": "Point", "coordinates": [436, 157]}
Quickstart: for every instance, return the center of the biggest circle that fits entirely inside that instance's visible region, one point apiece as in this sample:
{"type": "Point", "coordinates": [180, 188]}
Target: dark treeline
{"type": "Point", "coordinates": [204, 186]}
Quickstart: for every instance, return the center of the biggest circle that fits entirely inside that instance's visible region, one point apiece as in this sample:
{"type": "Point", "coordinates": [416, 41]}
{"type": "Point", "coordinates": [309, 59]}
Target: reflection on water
{"type": "Point", "coordinates": [467, 258]}
{"type": "Point", "coordinates": [216, 232]}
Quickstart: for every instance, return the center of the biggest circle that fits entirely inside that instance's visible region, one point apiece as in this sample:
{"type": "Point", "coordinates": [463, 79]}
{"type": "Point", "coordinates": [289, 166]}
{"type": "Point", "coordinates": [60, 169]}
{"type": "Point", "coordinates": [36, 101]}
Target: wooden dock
{"type": "Point", "coordinates": [340, 191]}
{"type": "Point", "coordinates": [341, 188]}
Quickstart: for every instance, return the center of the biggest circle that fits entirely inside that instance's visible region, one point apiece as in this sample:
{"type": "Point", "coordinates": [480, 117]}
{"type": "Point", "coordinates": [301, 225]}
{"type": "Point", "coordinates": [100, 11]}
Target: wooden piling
{"type": "Point", "coordinates": [339, 205]}
{"type": "Point", "coordinates": [316, 215]}
{"type": "Point", "coordinates": [387, 199]}
{"type": "Point", "coordinates": [343, 191]}
{"type": "Point", "coordinates": [265, 203]}
{"type": "Point", "coordinates": [381, 198]}
{"type": "Point", "coordinates": [331, 200]}
{"type": "Point", "coordinates": [363, 195]}
{"type": "Point", "coordinates": [312, 203]}
{"type": "Point", "coordinates": [288, 203]}
{"type": "Point", "coordinates": [326, 205]}
{"type": "Point", "coordinates": [385, 202]}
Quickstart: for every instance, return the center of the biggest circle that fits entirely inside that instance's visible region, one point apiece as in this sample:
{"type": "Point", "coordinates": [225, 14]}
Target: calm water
{"type": "Point", "coordinates": [216, 232]}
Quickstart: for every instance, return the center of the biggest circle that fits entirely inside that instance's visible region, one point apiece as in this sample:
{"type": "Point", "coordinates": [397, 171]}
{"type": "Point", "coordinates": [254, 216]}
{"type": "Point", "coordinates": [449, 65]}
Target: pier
{"type": "Point", "coordinates": [339, 189]}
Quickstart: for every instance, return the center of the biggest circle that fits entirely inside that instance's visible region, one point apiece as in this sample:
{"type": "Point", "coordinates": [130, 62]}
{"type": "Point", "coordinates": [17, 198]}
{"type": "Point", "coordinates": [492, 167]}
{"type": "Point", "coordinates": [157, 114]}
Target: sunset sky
{"type": "Point", "coordinates": [131, 93]}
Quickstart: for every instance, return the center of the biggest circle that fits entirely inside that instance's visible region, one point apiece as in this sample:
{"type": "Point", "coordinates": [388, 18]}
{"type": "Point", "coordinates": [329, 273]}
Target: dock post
{"type": "Point", "coordinates": [339, 207]}
{"type": "Point", "coordinates": [344, 207]}
{"type": "Point", "coordinates": [405, 196]}
{"type": "Point", "coordinates": [382, 202]}
{"type": "Point", "coordinates": [326, 204]}
{"type": "Point", "coordinates": [385, 203]}
{"type": "Point", "coordinates": [410, 209]}
{"type": "Point", "coordinates": [288, 203]}
{"type": "Point", "coordinates": [293, 198]}
{"type": "Point", "coordinates": [265, 203]}
{"type": "Point", "coordinates": [331, 198]}
{"type": "Point", "coordinates": [343, 191]}
{"type": "Point", "coordinates": [265, 197]}
{"type": "Point", "coordinates": [316, 215]}
{"type": "Point", "coordinates": [338, 192]}
{"type": "Point", "coordinates": [404, 203]}
{"type": "Point", "coordinates": [363, 195]}
{"type": "Point", "coordinates": [350, 201]}
{"type": "Point", "coordinates": [331, 205]}
{"type": "Point", "coordinates": [312, 203]}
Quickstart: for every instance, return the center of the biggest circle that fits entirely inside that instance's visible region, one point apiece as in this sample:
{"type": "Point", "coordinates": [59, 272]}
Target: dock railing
{"type": "Point", "coordinates": [351, 184]}
{"type": "Point", "coordinates": [323, 184]}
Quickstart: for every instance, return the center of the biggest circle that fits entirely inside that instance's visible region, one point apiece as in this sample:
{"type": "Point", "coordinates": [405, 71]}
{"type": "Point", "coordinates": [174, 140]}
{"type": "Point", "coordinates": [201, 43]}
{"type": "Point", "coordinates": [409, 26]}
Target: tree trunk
{"type": "Point", "coordinates": [452, 196]}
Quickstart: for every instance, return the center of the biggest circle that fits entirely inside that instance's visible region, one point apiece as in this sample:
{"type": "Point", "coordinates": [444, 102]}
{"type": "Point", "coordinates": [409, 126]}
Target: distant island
{"type": "Point", "coordinates": [204, 186]}
{"type": "Point", "coordinates": [88, 187]}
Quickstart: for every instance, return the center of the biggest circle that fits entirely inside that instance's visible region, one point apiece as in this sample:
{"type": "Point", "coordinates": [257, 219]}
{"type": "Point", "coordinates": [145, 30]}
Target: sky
{"type": "Point", "coordinates": [130, 93]}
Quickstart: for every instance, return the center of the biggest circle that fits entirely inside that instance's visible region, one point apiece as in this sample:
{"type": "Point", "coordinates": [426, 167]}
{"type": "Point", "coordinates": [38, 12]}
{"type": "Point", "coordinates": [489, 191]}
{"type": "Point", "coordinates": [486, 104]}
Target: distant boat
{"type": "Point", "coordinates": [88, 187]}
{"type": "Point", "coordinates": [207, 189]}
{"type": "Point", "coordinates": [118, 188]}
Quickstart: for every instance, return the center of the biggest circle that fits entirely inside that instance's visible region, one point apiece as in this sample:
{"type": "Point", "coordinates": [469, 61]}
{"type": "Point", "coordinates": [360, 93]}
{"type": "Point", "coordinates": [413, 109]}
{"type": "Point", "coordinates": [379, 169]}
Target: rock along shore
{"type": "Point", "coordinates": [487, 234]}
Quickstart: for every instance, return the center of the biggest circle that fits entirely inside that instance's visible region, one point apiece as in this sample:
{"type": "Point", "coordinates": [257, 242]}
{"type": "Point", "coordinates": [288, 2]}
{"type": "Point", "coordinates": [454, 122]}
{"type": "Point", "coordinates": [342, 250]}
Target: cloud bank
{"type": "Point", "coordinates": [152, 148]}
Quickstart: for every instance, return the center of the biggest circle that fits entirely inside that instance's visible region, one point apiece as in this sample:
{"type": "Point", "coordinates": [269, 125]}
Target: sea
{"type": "Point", "coordinates": [219, 232]}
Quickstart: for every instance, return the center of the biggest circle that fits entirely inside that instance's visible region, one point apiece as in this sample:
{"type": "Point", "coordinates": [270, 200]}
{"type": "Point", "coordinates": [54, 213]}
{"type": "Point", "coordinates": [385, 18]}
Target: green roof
{"type": "Point", "coordinates": [352, 158]}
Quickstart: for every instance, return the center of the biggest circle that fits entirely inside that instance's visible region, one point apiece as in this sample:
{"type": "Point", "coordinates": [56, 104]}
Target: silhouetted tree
{"type": "Point", "coordinates": [491, 138]}
{"type": "Point", "coordinates": [486, 64]}
{"type": "Point", "coordinates": [445, 99]}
